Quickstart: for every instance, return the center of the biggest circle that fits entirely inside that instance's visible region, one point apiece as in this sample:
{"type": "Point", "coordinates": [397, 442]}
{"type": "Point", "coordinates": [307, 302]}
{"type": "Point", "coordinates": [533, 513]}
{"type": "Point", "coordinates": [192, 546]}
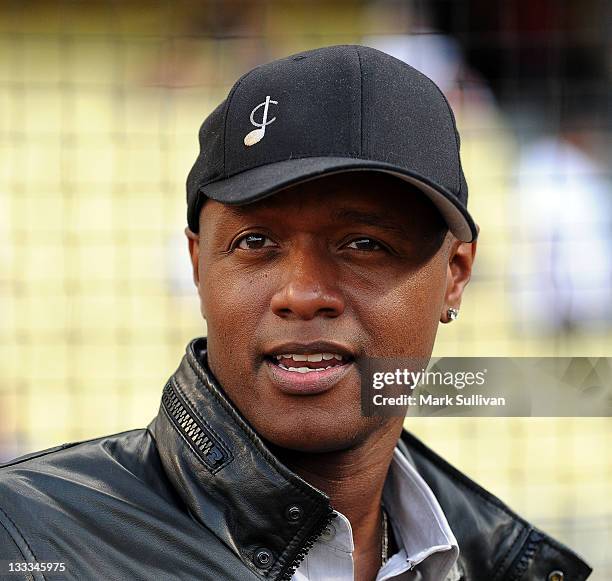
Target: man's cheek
{"type": "Point", "coordinates": [229, 311]}
{"type": "Point", "coordinates": [402, 325]}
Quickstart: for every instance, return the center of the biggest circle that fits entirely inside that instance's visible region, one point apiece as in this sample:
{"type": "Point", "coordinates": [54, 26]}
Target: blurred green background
{"type": "Point", "coordinates": [100, 103]}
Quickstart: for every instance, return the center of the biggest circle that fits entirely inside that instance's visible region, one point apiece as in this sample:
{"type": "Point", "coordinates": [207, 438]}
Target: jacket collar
{"type": "Point", "coordinates": [228, 478]}
{"type": "Point", "coordinates": [233, 484]}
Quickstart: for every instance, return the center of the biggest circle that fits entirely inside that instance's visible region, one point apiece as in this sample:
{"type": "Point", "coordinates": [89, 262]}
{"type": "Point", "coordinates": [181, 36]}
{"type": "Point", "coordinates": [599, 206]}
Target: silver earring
{"type": "Point", "coordinates": [452, 313]}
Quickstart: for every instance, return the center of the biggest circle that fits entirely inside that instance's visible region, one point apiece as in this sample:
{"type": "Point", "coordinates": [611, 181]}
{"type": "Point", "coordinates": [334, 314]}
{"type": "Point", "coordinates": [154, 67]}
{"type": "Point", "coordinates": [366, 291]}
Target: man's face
{"type": "Point", "coordinates": [333, 270]}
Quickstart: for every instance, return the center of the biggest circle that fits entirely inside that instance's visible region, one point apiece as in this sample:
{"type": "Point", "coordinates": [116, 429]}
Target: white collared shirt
{"type": "Point", "coordinates": [428, 549]}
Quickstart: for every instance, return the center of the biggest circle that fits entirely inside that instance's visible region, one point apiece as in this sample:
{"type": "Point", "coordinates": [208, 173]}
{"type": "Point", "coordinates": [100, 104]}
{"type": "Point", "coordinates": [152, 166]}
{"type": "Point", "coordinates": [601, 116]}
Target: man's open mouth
{"type": "Point", "coordinates": [308, 368]}
{"type": "Point", "coordinates": [308, 362]}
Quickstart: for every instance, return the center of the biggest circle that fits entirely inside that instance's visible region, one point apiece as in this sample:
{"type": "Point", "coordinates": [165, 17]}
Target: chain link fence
{"type": "Point", "coordinates": [100, 103]}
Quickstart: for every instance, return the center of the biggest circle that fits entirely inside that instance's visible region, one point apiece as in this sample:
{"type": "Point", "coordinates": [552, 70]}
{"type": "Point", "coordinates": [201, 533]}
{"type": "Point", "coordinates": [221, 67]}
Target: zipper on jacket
{"type": "Point", "coordinates": [211, 451]}
{"type": "Point", "coordinates": [310, 540]}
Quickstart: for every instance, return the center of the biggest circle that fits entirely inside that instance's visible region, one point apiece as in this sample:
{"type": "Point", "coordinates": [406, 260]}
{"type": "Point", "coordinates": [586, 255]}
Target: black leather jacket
{"type": "Point", "coordinates": [197, 495]}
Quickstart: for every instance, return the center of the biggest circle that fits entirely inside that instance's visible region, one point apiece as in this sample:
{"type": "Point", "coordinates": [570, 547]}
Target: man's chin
{"type": "Point", "coordinates": [319, 438]}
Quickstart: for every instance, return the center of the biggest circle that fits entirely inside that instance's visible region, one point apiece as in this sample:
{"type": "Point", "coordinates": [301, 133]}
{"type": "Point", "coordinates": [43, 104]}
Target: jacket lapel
{"type": "Point", "coordinates": [228, 478]}
{"type": "Point", "coordinates": [495, 544]}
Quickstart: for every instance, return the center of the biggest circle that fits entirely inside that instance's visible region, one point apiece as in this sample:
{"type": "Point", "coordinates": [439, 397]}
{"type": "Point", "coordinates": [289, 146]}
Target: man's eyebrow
{"type": "Point", "coordinates": [369, 219]}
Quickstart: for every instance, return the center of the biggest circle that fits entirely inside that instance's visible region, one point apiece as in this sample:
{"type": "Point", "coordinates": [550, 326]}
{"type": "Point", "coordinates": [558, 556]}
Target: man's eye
{"type": "Point", "coordinates": [365, 244]}
{"type": "Point", "coordinates": [254, 242]}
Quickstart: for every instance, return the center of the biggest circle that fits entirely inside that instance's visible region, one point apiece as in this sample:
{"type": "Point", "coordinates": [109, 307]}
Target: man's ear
{"type": "Point", "coordinates": [461, 258]}
{"type": "Point", "coordinates": [193, 241]}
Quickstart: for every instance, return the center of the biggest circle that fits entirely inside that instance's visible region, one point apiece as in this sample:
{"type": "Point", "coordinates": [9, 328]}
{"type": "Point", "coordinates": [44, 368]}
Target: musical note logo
{"type": "Point", "coordinates": [256, 135]}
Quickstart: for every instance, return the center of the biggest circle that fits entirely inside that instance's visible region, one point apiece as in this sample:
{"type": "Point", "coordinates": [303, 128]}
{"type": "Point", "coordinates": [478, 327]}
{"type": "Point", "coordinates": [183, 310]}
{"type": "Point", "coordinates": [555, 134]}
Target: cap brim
{"type": "Point", "coordinates": [263, 181]}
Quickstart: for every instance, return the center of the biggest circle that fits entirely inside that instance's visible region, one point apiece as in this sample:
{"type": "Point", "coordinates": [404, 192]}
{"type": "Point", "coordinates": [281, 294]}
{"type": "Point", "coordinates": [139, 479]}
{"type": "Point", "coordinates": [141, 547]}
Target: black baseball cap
{"type": "Point", "coordinates": [325, 111]}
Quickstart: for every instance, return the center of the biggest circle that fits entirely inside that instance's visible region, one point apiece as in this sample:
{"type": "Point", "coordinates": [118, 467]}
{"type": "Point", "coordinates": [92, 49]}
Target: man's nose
{"type": "Point", "coordinates": [309, 288]}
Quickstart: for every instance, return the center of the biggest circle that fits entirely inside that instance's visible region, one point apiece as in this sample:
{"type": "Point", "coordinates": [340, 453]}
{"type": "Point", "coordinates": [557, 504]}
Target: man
{"type": "Point", "coordinates": [327, 224]}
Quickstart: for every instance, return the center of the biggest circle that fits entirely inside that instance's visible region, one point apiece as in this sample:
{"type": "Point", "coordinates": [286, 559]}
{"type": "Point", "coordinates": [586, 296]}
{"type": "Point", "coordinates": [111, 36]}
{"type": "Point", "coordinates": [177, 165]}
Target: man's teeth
{"type": "Point", "coordinates": [304, 369]}
{"type": "Point", "coordinates": [314, 357]}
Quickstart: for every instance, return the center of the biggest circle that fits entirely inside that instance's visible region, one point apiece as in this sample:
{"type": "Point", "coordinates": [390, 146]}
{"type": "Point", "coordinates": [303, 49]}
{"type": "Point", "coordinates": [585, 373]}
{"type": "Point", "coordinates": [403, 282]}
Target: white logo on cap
{"type": "Point", "coordinates": [256, 135]}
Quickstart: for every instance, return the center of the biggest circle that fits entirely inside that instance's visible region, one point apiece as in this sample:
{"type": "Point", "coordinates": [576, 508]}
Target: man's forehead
{"type": "Point", "coordinates": [355, 213]}
{"type": "Point", "coordinates": [385, 204]}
